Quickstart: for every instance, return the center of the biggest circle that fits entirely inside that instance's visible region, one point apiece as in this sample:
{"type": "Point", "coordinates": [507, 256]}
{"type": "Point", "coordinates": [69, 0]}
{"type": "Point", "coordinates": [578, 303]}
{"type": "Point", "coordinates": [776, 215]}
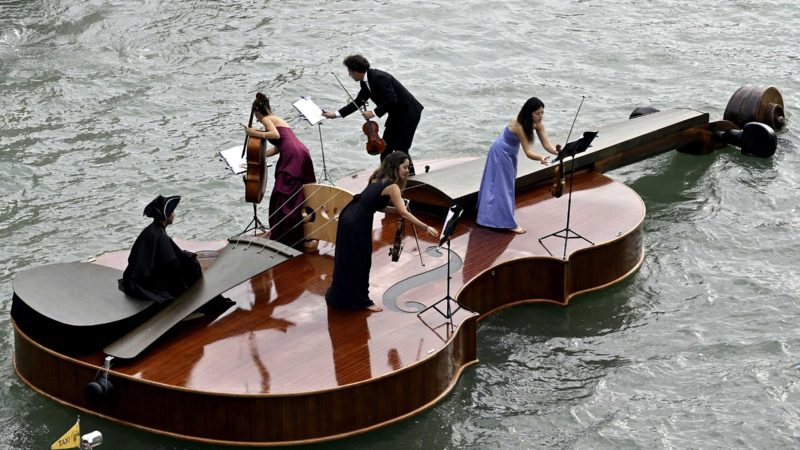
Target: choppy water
{"type": "Point", "coordinates": [105, 103]}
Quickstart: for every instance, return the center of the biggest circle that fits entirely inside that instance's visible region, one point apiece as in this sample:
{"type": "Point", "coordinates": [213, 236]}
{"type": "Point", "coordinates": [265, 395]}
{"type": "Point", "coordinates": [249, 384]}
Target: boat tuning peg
{"type": "Point", "coordinates": [756, 104]}
{"type": "Point", "coordinates": [755, 139]}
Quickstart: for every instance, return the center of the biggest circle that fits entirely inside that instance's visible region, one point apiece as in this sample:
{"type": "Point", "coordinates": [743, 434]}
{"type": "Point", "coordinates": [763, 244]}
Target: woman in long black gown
{"type": "Point", "coordinates": [353, 258]}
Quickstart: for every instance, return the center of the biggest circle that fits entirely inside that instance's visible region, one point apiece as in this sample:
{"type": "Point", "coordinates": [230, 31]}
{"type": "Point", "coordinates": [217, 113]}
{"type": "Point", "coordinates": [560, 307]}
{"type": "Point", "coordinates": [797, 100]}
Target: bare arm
{"type": "Point", "coordinates": [393, 191]}
{"type": "Point", "coordinates": [527, 147]}
{"type": "Point", "coordinates": [544, 139]}
{"type": "Point", "coordinates": [271, 133]}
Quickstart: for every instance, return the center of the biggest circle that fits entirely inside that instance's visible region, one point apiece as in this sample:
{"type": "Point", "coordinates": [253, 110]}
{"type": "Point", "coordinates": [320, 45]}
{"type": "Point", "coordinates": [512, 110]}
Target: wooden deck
{"type": "Point", "coordinates": [617, 144]}
{"type": "Point", "coordinates": [283, 349]}
{"type": "Point", "coordinates": [281, 367]}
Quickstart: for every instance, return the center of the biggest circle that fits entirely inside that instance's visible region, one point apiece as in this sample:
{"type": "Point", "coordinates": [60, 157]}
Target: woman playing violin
{"type": "Point", "coordinates": [293, 169]}
{"type": "Point", "coordinates": [353, 257]}
{"type": "Point", "coordinates": [496, 195]}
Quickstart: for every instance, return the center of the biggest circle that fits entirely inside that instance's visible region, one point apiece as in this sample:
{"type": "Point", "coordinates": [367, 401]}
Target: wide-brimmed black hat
{"type": "Point", "coordinates": [161, 207]}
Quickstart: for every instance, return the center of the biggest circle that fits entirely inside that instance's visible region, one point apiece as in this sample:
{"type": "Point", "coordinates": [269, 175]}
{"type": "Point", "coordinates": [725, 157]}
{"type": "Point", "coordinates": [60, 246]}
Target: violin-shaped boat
{"type": "Point", "coordinates": [281, 367]}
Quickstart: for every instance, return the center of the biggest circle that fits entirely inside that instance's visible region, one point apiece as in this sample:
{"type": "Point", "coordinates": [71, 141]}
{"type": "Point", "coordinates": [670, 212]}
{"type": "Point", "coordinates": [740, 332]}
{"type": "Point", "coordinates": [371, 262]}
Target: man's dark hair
{"type": "Point", "coordinates": [356, 63]}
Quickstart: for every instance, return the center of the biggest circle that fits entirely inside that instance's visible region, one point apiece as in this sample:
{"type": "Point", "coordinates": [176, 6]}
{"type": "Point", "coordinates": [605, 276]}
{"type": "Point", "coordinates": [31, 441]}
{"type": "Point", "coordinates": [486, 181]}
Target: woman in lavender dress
{"type": "Point", "coordinates": [293, 169]}
{"type": "Point", "coordinates": [496, 194]}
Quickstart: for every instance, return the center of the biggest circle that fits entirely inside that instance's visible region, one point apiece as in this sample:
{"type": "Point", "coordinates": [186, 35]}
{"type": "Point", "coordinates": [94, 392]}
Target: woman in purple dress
{"type": "Point", "coordinates": [353, 258]}
{"type": "Point", "coordinates": [496, 194]}
{"type": "Point", "coordinates": [293, 169]}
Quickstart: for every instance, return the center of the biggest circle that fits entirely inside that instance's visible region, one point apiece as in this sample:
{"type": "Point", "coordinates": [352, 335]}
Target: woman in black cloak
{"type": "Point", "coordinates": [158, 269]}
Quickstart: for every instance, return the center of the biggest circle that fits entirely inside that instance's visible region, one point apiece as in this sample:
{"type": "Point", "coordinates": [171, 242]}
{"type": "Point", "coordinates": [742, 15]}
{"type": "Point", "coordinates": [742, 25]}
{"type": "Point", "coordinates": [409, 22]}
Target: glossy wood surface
{"type": "Point", "coordinates": [617, 144]}
{"type": "Point", "coordinates": [282, 367]}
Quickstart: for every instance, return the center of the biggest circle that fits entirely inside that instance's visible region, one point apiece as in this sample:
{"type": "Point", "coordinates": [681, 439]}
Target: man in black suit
{"type": "Point", "coordinates": [390, 97]}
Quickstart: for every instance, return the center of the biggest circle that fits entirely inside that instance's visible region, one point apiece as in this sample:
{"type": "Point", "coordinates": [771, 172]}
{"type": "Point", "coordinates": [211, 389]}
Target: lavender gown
{"type": "Point", "coordinates": [496, 194]}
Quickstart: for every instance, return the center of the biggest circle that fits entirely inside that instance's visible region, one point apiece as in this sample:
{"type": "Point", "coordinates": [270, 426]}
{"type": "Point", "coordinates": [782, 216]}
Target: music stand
{"type": "Point", "coordinates": [313, 114]}
{"type": "Point", "coordinates": [255, 224]}
{"type": "Point", "coordinates": [447, 232]}
{"type": "Point", "coordinates": [571, 149]}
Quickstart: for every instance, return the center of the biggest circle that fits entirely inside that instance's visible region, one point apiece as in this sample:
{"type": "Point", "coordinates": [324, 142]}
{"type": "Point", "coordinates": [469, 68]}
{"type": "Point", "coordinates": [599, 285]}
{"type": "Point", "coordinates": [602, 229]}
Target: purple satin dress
{"type": "Point", "coordinates": [293, 169]}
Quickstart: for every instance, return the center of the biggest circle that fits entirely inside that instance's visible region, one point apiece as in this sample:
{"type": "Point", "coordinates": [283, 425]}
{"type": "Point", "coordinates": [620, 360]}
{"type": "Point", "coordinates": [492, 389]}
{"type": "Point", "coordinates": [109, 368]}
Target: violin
{"type": "Point", "coordinates": [397, 245]}
{"type": "Point", "coordinates": [399, 233]}
{"type": "Point", "coordinates": [255, 179]}
{"type": "Point", "coordinates": [557, 188]}
{"type": "Point", "coordinates": [375, 144]}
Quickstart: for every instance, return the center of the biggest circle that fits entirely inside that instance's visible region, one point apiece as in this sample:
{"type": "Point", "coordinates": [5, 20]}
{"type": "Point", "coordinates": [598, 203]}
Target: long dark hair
{"type": "Point", "coordinates": [390, 169]}
{"type": "Point", "coordinates": [525, 116]}
{"type": "Point", "coordinates": [261, 105]}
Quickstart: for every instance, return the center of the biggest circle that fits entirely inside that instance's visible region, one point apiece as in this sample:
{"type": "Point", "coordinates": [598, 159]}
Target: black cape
{"type": "Point", "coordinates": [158, 269]}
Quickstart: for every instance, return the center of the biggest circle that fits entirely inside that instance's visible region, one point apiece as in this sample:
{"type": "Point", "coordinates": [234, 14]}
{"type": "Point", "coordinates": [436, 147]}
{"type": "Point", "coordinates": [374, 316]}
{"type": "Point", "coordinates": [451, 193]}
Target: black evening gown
{"type": "Point", "coordinates": [353, 259]}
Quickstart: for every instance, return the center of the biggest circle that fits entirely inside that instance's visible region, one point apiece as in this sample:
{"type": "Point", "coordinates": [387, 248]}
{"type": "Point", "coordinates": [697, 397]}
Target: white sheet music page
{"type": "Point", "coordinates": [310, 111]}
{"type": "Point", "coordinates": [233, 158]}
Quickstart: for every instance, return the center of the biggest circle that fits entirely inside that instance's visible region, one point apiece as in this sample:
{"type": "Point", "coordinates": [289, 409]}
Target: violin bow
{"type": "Point", "coordinates": [561, 160]}
{"type": "Point", "coordinates": [348, 93]}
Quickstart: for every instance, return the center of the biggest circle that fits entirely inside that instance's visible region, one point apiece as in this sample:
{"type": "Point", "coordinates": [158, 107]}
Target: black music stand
{"type": "Point", "coordinates": [447, 232]}
{"type": "Point", "coordinates": [313, 114]}
{"type": "Point", "coordinates": [571, 149]}
{"type": "Point", "coordinates": [255, 225]}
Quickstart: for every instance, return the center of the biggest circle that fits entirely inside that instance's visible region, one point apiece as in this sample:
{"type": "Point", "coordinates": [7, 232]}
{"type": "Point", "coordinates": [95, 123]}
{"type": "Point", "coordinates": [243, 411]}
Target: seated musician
{"type": "Point", "coordinates": [158, 269]}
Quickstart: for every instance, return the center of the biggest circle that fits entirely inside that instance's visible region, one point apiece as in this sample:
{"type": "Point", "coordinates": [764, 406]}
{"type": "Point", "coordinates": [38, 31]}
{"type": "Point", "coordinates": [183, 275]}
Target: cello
{"type": "Point", "coordinates": [255, 179]}
{"type": "Point", "coordinates": [375, 144]}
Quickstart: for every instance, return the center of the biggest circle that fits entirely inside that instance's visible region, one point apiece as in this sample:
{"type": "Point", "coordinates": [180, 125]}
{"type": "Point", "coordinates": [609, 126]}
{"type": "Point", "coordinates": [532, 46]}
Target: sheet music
{"type": "Point", "coordinates": [450, 223]}
{"type": "Point", "coordinates": [233, 158]}
{"type": "Point", "coordinates": [310, 111]}
{"type": "Point", "coordinates": [235, 161]}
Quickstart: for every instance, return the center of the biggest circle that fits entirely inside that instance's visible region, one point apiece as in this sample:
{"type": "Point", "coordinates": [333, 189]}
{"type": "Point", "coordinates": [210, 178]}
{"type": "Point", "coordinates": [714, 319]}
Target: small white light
{"type": "Point", "coordinates": [91, 440]}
